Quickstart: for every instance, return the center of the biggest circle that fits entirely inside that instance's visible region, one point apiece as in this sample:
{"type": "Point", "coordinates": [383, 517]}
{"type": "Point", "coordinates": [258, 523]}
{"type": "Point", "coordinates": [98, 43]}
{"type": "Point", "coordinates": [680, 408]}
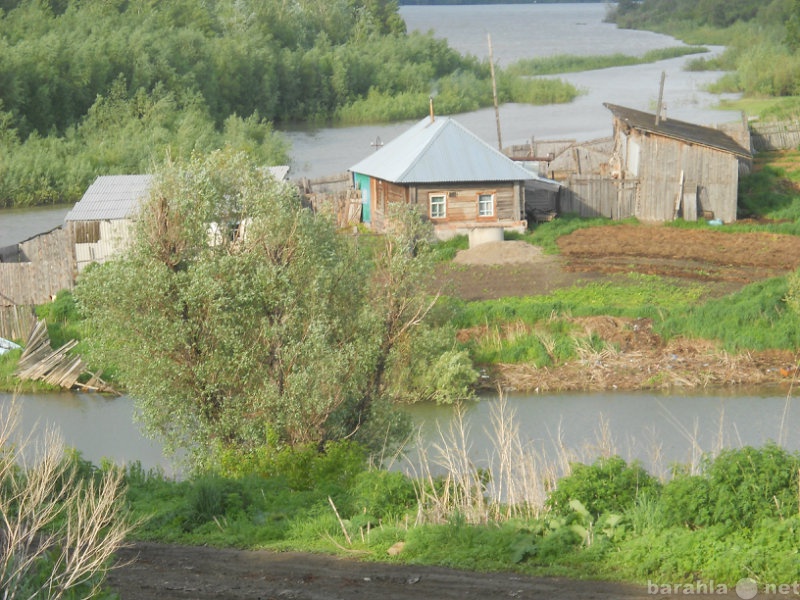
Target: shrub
{"type": "Point", "coordinates": [609, 485]}
{"type": "Point", "coordinates": [748, 484]}
{"type": "Point", "coordinates": [379, 494]}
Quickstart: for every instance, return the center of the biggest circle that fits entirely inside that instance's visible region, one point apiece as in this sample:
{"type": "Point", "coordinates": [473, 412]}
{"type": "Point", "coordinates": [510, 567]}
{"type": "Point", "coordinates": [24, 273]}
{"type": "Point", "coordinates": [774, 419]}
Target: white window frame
{"type": "Point", "coordinates": [481, 202]}
{"type": "Point", "coordinates": [438, 201]}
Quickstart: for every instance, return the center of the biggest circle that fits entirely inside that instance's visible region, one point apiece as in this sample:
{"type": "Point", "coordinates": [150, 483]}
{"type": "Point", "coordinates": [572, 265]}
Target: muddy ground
{"type": "Point", "coordinates": [721, 262]}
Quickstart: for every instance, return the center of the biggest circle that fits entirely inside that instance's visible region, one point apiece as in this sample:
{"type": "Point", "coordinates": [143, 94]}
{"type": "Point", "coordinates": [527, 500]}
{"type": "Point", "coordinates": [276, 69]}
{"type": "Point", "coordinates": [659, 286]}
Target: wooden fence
{"type": "Point", "coordinates": [597, 196]}
{"type": "Point", "coordinates": [775, 135]}
{"type": "Point", "coordinates": [41, 267]}
{"type": "Point", "coordinates": [16, 322]}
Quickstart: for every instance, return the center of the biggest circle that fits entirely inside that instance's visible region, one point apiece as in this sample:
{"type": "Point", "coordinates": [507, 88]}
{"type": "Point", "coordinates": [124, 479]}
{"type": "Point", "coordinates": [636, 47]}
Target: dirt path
{"type": "Point", "coordinates": [167, 572]}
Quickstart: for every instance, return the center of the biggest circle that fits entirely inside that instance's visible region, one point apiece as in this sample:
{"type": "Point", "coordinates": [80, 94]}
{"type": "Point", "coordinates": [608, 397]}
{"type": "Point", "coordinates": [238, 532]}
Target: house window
{"type": "Point", "coordinates": [485, 205]}
{"type": "Point", "coordinates": [438, 208]}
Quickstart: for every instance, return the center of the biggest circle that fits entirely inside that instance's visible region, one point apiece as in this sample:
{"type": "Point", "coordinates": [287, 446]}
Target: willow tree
{"type": "Point", "coordinates": [238, 316]}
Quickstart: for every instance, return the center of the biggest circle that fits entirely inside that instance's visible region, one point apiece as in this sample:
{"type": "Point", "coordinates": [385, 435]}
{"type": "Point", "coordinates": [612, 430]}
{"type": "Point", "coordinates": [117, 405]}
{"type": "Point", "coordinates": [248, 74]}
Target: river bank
{"type": "Point", "coordinates": [633, 356]}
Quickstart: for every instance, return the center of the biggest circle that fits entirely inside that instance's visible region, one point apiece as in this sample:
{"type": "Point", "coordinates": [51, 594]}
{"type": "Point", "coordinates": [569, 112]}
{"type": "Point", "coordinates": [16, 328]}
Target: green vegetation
{"type": "Point", "coordinates": [567, 63]}
{"type": "Point", "coordinates": [606, 519]}
{"type": "Point", "coordinates": [90, 88]}
{"type": "Point", "coordinates": [761, 38]}
{"type": "Point", "coordinates": [62, 518]}
{"type": "Point", "coordinates": [274, 329]}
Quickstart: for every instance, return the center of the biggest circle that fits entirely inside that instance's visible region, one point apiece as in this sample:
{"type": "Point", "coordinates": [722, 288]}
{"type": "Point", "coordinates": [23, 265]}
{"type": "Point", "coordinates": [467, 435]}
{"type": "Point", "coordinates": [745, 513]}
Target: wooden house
{"type": "Point", "coordinates": [680, 169]}
{"type": "Point", "coordinates": [456, 180]}
{"type": "Point", "coordinates": [100, 224]}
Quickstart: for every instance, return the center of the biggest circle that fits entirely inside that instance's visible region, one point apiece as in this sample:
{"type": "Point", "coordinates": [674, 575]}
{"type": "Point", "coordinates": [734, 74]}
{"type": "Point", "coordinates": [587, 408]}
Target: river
{"type": "Point", "coordinates": [645, 426]}
{"type": "Point", "coordinates": [658, 429]}
{"type": "Point", "coordinates": [518, 31]}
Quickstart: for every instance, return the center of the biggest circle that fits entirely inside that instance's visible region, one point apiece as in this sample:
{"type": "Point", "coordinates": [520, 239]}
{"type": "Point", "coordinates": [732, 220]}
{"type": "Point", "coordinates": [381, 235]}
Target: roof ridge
{"type": "Point", "coordinates": [425, 148]}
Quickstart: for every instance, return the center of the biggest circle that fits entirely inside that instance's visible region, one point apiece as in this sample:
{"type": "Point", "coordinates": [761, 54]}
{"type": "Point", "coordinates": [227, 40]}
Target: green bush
{"type": "Point", "coordinates": [685, 501]}
{"type": "Point", "coordinates": [609, 485]}
{"type": "Point", "coordinates": [379, 494]}
{"type": "Point", "coordinates": [212, 497]}
{"type": "Point", "coordinates": [738, 488]}
{"type": "Point", "coordinates": [748, 484]}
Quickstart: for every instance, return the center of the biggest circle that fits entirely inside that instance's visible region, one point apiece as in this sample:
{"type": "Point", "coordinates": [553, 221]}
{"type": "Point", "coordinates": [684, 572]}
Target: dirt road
{"type": "Point", "coordinates": [167, 572]}
{"type": "Point", "coordinates": [722, 262]}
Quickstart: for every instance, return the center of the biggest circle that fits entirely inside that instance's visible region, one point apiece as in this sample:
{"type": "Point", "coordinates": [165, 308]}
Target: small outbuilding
{"type": "Point", "coordinates": [100, 224]}
{"type": "Point", "coordinates": [680, 169]}
{"type": "Point", "coordinates": [456, 180]}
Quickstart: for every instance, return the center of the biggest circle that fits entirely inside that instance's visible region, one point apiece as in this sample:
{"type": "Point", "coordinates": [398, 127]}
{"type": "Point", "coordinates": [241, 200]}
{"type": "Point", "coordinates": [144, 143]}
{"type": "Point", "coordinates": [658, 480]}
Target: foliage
{"type": "Point", "coordinates": [446, 250]}
{"type": "Point", "coordinates": [62, 318]}
{"type": "Point", "coordinates": [567, 63]}
{"type": "Point", "coordinates": [540, 330]}
{"type": "Point", "coordinates": [238, 312]}
{"type": "Point", "coordinates": [609, 485]}
{"type": "Point", "coordinates": [546, 234]}
{"type": "Point", "coordinates": [98, 88]}
{"type": "Point", "coordinates": [770, 190]}
{"type": "Point", "coordinates": [61, 525]}
{"type": "Point", "coordinates": [760, 39]}
{"type": "Point", "coordinates": [736, 517]}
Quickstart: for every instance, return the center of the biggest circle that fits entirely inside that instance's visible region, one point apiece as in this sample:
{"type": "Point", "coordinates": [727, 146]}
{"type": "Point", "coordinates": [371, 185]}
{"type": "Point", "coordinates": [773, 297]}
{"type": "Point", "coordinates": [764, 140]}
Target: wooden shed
{"type": "Point", "coordinates": [680, 169]}
{"type": "Point", "coordinates": [456, 180]}
{"type": "Point", "coordinates": [100, 224]}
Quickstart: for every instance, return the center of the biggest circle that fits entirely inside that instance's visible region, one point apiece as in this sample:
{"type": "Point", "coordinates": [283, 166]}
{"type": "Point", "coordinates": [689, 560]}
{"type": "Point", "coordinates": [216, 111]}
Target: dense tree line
{"type": "Point", "coordinates": [466, 2]}
{"type": "Point", "coordinates": [91, 87]}
{"type": "Point", "coordinates": [715, 13]}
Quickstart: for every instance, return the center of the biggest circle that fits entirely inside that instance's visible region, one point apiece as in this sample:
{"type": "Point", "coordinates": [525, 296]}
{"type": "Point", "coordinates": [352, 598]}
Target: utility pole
{"type": "Point", "coordinates": [494, 94]}
{"type": "Point", "coordinates": [660, 98]}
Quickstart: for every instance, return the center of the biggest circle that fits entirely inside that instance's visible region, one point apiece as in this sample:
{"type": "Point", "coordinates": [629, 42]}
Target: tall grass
{"type": "Point", "coordinates": [755, 318]}
{"type": "Point", "coordinates": [512, 481]}
{"type": "Point", "coordinates": [570, 63]}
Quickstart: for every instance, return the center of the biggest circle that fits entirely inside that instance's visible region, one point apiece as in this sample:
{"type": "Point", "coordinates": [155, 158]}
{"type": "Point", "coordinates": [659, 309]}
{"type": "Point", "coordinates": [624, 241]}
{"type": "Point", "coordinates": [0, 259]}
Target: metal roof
{"type": "Point", "coordinates": [679, 130]}
{"type": "Point", "coordinates": [440, 151]}
{"type": "Point", "coordinates": [111, 197]}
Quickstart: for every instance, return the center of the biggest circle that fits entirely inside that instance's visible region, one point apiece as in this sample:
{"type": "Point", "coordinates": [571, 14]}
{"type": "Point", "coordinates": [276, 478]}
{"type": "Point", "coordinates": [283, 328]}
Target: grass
{"type": "Point", "coordinates": [494, 512]}
{"type": "Point", "coordinates": [541, 330]}
{"type": "Point", "coordinates": [569, 63]}
{"type": "Point", "coordinates": [547, 234]}
{"type": "Point", "coordinates": [767, 109]}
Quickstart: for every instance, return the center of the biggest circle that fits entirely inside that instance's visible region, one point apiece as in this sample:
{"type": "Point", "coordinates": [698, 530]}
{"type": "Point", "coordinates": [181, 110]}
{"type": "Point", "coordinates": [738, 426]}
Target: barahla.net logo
{"type": "Point", "coordinates": [746, 589]}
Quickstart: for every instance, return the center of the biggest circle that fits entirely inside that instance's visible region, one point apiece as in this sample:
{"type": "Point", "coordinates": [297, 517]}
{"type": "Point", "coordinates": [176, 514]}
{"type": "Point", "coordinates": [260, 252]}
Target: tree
{"type": "Point", "coordinates": [239, 316]}
{"type": "Point", "coordinates": [792, 39]}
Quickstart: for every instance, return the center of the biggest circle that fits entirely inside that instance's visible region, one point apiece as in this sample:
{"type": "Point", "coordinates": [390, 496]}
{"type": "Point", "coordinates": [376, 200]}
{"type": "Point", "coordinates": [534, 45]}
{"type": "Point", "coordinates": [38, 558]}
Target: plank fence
{"type": "Point", "coordinates": [598, 196]}
{"type": "Point", "coordinates": [775, 135]}
{"type": "Point", "coordinates": [16, 321]}
{"type": "Point", "coordinates": [34, 271]}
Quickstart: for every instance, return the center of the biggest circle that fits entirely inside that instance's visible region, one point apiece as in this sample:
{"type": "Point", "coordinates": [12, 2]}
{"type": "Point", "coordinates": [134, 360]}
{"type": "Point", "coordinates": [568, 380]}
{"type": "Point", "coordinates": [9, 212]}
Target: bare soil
{"type": "Point", "coordinates": [167, 572]}
{"type": "Point", "coordinates": [721, 262]}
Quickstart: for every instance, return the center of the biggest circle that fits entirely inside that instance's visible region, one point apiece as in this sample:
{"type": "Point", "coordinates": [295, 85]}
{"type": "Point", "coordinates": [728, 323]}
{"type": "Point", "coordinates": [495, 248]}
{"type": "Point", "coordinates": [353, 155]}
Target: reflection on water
{"type": "Point", "coordinates": [657, 429]}
{"type": "Point", "coordinates": [100, 427]}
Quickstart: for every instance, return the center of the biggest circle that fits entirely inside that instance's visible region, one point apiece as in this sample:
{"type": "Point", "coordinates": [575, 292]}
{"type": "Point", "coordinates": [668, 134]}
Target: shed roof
{"type": "Point", "coordinates": [440, 151]}
{"type": "Point", "coordinates": [111, 197]}
{"type": "Point", "coordinates": [679, 130]}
